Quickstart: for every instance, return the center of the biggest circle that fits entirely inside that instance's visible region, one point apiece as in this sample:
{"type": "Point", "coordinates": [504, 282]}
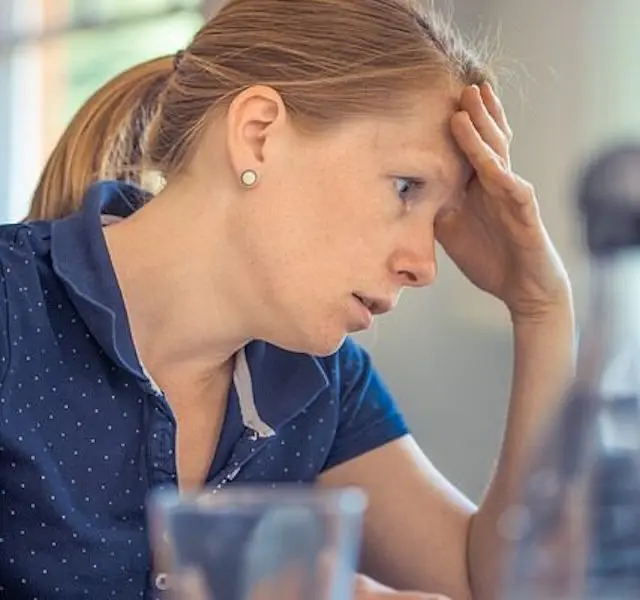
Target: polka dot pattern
{"type": "Point", "coordinates": [85, 435]}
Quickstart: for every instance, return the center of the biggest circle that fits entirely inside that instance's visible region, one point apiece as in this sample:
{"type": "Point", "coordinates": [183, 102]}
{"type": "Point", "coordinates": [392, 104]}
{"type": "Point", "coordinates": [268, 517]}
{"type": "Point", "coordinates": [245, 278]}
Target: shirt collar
{"type": "Point", "coordinates": [273, 385]}
{"type": "Point", "coordinates": [81, 260]}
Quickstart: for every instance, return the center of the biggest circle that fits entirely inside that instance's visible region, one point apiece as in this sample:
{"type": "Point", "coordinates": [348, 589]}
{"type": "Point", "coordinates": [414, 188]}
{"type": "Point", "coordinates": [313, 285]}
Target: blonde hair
{"type": "Point", "coordinates": [328, 59]}
{"type": "Point", "coordinates": [104, 140]}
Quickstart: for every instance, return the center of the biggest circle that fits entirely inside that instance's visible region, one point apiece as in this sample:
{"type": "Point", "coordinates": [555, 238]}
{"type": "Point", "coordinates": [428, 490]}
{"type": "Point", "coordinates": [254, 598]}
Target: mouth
{"type": "Point", "coordinates": [375, 306]}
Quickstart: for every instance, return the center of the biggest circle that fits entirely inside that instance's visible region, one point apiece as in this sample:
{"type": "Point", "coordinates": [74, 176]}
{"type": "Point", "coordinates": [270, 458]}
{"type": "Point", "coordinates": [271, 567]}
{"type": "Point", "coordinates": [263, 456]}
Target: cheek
{"type": "Point", "coordinates": [319, 214]}
{"type": "Point", "coordinates": [326, 225]}
{"type": "Point", "coordinates": [325, 259]}
{"type": "Point", "coordinates": [297, 243]}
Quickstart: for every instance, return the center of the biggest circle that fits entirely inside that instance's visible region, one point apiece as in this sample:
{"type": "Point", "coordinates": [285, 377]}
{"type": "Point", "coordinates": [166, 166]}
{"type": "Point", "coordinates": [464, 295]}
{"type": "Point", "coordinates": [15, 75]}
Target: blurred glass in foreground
{"type": "Point", "coordinates": [257, 543]}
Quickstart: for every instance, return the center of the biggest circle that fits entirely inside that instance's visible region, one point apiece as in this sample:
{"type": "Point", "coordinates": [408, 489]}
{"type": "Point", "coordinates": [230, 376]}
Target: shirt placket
{"type": "Point", "coordinates": [254, 439]}
{"type": "Point", "coordinates": [161, 464]}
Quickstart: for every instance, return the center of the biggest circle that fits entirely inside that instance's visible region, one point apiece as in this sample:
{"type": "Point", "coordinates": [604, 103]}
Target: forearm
{"type": "Point", "coordinates": [544, 356]}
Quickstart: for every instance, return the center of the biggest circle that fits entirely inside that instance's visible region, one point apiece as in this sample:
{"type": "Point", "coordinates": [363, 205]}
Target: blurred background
{"type": "Point", "coordinates": [571, 85]}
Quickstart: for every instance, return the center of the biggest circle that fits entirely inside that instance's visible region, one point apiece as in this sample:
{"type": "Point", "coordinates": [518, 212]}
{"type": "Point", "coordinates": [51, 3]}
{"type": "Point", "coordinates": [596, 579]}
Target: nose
{"type": "Point", "coordinates": [415, 265]}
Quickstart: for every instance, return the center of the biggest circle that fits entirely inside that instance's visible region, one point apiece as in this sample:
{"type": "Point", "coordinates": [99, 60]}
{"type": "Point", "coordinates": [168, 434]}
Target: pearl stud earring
{"type": "Point", "coordinates": [249, 178]}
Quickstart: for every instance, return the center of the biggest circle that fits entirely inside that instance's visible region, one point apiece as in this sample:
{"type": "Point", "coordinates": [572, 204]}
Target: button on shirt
{"type": "Point", "coordinates": [85, 434]}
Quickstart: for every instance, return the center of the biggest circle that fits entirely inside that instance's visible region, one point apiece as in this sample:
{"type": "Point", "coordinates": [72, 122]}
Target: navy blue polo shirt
{"type": "Point", "coordinates": [85, 434]}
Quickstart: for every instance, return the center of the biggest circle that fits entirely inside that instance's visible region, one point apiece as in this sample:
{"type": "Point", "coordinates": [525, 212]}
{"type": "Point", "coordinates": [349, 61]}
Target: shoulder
{"type": "Point", "coordinates": [23, 258]}
{"type": "Point", "coordinates": [350, 367]}
{"type": "Point", "coordinates": [347, 374]}
{"type": "Point", "coordinates": [24, 262]}
{"type": "Point", "coordinates": [20, 243]}
{"type": "Point", "coordinates": [337, 405]}
{"type": "Point", "coordinates": [369, 415]}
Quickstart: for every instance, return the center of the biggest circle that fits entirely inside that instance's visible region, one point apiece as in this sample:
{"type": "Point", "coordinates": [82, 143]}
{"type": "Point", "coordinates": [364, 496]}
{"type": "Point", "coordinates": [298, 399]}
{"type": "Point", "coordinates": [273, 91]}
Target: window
{"type": "Point", "coordinates": [53, 55]}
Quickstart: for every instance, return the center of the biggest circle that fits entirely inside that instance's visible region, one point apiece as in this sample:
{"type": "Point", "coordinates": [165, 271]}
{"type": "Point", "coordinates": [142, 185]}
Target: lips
{"type": "Point", "coordinates": [375, 305]}
{"type": "Point", "coordinates": [366, 301]}
{"type": "Point", "coordinates": [362, 314]}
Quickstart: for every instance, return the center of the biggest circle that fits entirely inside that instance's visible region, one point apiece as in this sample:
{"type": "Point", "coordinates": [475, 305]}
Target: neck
{"type": "Point", "coordinates": [183, 314]}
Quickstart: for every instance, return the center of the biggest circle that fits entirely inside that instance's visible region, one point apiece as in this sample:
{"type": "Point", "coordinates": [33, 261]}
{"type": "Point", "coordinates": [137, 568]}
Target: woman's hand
{"type": "Point", "coordinates": [497, 238]}
{"type": "Point", "coordinates": [368, 589]}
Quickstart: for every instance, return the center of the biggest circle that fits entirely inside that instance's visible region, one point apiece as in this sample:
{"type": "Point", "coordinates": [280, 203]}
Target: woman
{"type": "Point", "coordinates": [313, 154]}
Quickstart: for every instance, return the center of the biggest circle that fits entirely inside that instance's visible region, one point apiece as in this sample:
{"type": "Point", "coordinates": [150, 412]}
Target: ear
{"type": "Point", "coordinates": [256, 115]}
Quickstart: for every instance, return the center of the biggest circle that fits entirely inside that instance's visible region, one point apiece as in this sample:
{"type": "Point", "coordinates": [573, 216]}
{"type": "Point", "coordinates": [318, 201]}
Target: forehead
{"type": "Point", "coordinates": [423, 128]}
{"type": "Point", "coordinates": [418, 136]}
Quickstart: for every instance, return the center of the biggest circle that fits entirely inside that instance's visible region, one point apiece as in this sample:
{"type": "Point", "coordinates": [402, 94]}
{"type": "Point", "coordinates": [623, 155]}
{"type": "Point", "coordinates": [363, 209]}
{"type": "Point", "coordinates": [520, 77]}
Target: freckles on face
{"type": "Point", "coordinates": [345, 181]}
{"type": "Point", "coordinates": [337, 188]}
{"type": "Point", "coordinates": [330, 212]}
{"type": "Point", "coordinates": [421, 137]}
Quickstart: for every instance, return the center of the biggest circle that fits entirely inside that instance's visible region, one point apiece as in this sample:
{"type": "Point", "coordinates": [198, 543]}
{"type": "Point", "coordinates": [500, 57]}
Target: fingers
{"type": "Point", "coordinates": [368, 589]}
{"type": "Point", "coordinates": [473, 101]}
{"type": "Point", "coordinates": [495, 109]}
{"type": "Point", "coordinates": [485, 161]}
{"type": "Point", "coordinates": [483, 134]}
{"type": "Point", "coordinates": [365, 587]}
{"type": "Point", "coordinates": [493, 174]}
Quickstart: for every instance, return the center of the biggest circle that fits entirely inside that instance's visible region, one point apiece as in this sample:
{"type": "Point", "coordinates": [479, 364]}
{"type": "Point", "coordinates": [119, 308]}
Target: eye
{"type": "Point", "coordinates": [406, 187]}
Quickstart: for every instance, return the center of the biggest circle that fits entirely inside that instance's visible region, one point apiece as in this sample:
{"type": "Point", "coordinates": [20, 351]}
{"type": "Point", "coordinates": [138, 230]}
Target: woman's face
{"type": "Point", "coordinates": [339, 222]}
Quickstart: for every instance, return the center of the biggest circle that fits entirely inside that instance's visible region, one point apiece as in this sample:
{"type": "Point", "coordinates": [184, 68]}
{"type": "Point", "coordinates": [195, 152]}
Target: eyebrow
{"type": "Point", "coordinates": [434, 163]}
{"type": "Point", "coordinates": [427, 159]}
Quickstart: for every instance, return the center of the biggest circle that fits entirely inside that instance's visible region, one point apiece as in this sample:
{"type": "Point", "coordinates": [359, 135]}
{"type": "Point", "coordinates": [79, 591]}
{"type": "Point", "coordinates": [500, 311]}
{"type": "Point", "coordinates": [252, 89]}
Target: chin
{"type": "Point", "coordinates": [325, 347]}
{"type": "Point", "coordinates": [326, 337]}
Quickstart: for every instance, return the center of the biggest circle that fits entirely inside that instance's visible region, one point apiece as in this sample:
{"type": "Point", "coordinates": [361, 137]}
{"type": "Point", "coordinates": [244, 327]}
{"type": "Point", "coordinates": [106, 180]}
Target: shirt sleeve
{"type": "Point", "coordinates": [369, 416]}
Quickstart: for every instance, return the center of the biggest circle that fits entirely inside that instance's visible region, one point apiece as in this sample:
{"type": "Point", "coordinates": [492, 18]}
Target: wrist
{"type": "Point", "coordinates": [550, 332]}
{"type": "Point", "coordinates": [556, 311]}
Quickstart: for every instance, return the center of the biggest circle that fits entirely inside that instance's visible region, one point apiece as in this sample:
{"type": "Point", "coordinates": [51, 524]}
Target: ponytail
{"type": "Point", "coordinates": [105, 140]}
